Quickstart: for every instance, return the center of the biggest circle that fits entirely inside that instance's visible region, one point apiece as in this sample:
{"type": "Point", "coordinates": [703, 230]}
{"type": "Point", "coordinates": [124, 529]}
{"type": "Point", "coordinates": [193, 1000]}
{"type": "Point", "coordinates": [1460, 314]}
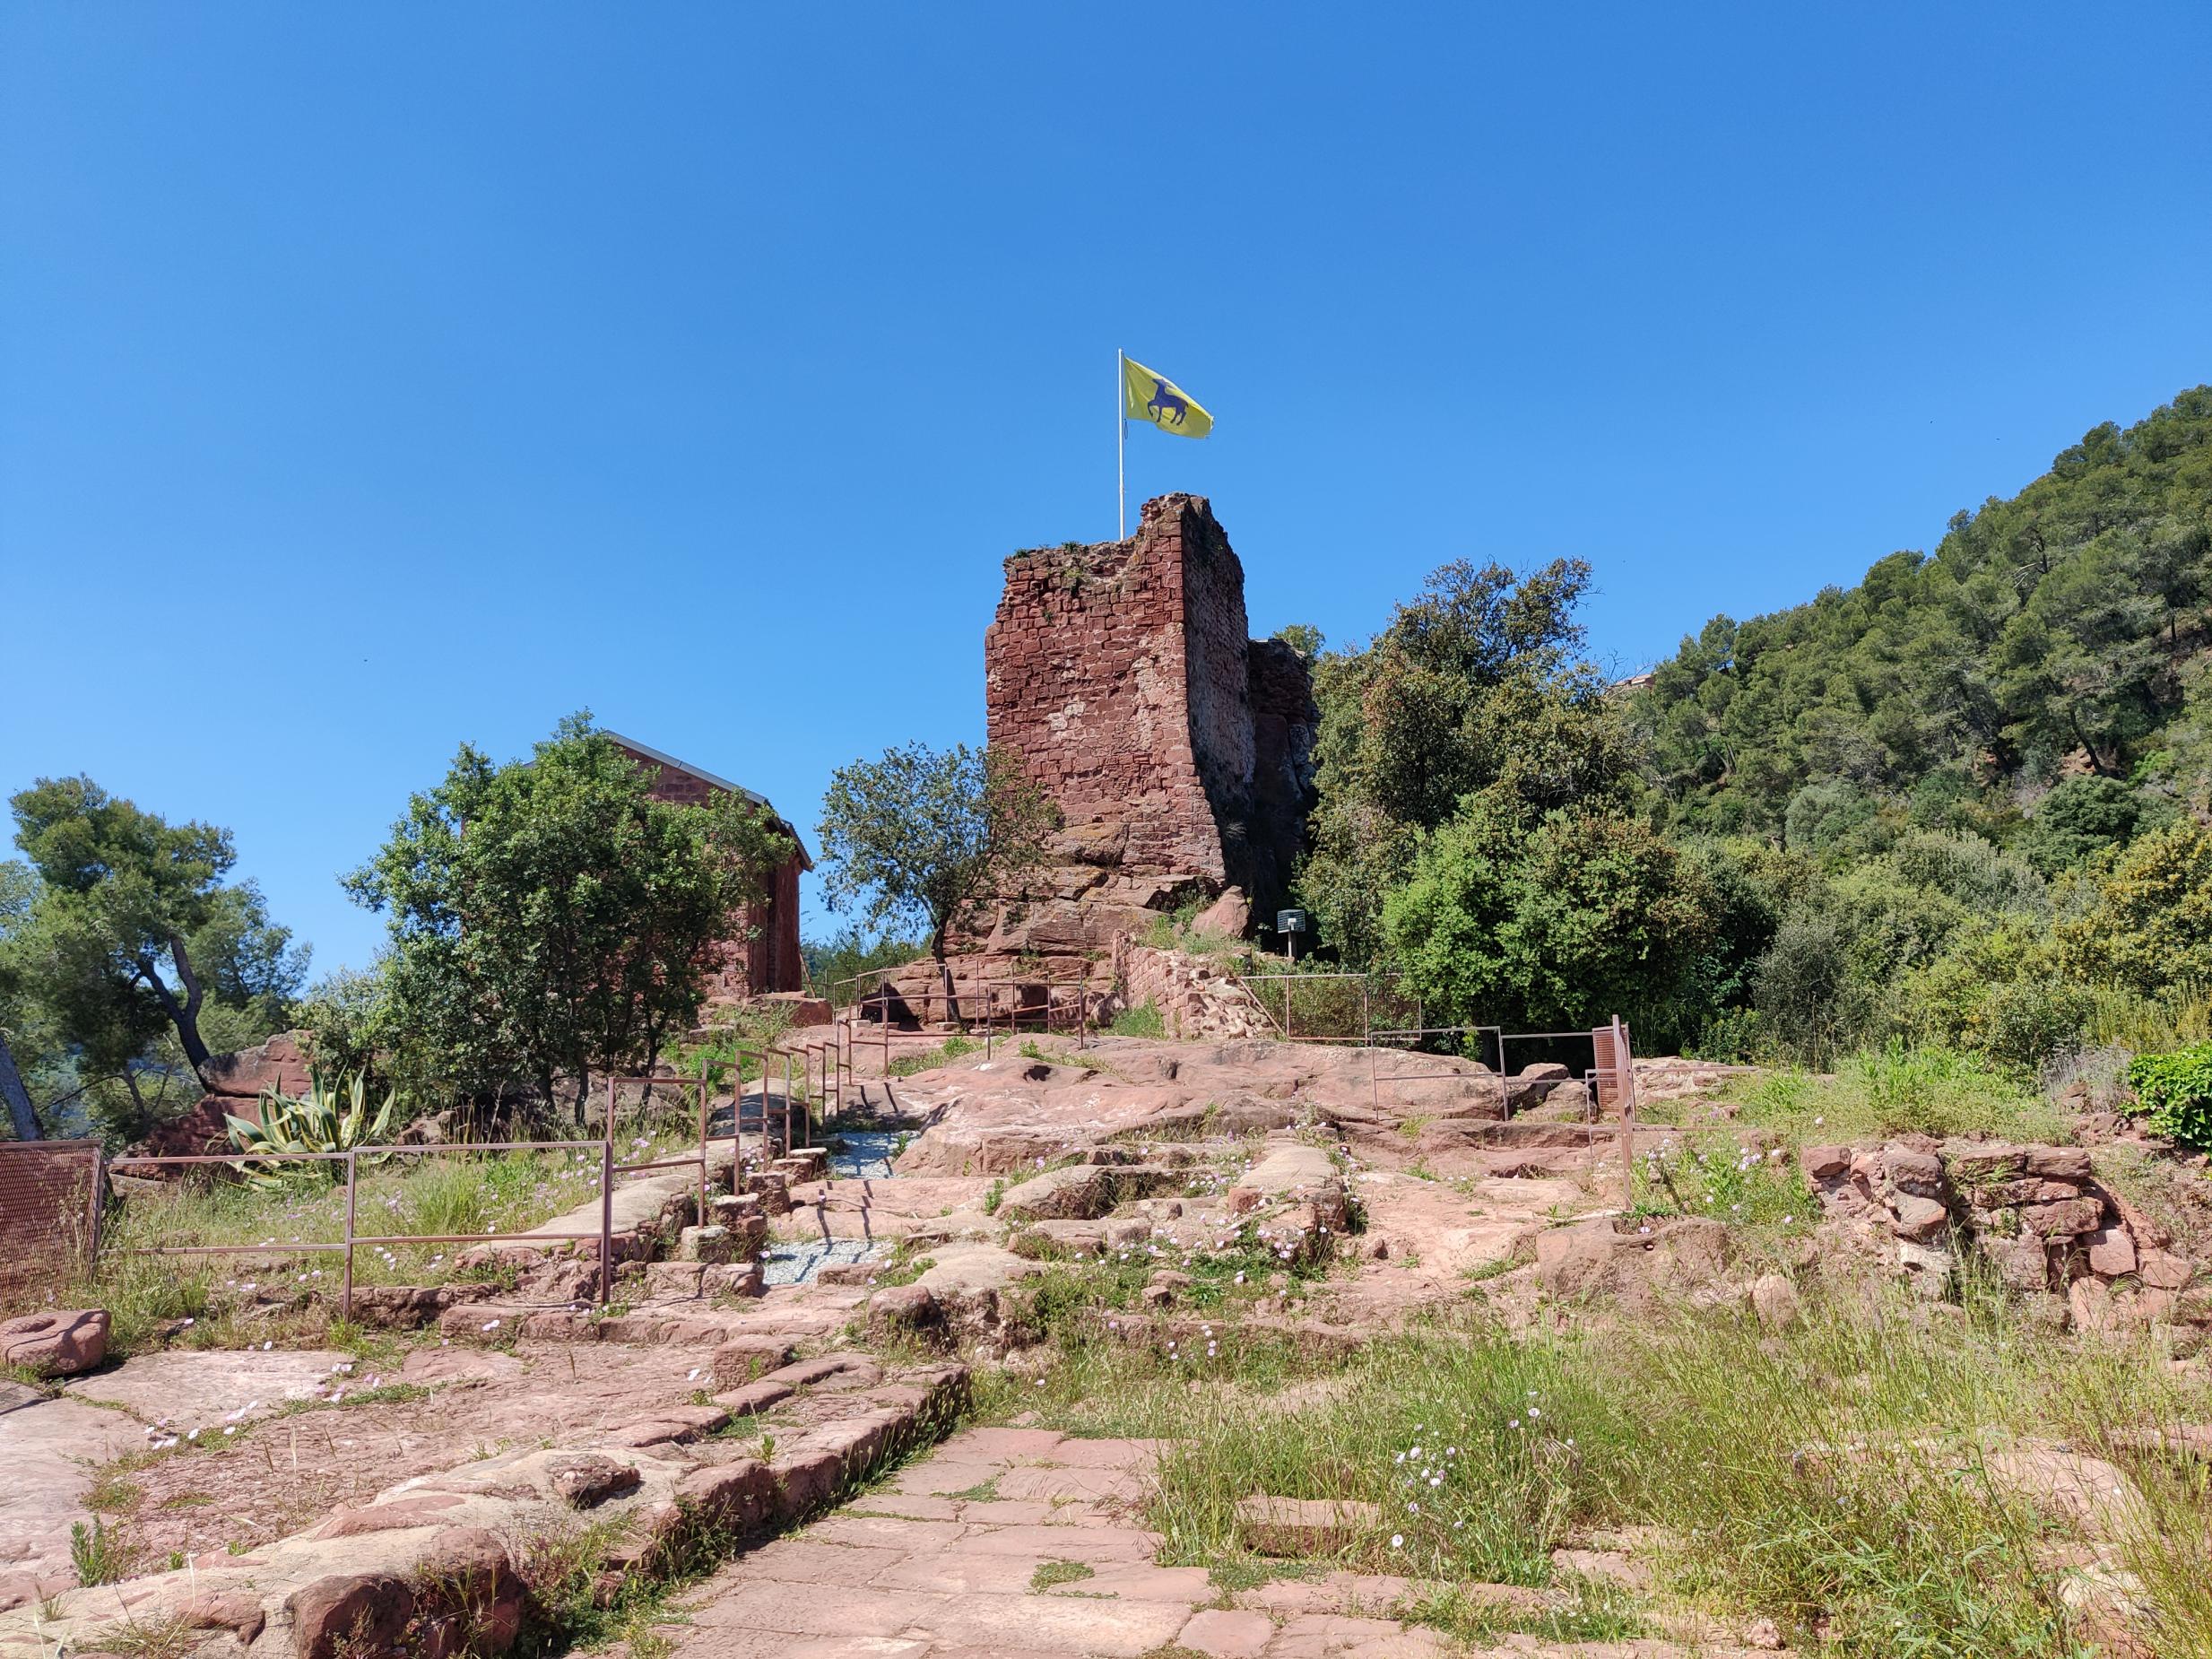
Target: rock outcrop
{"type": "Point", "coordinates": [2039, 1215]}
{"type": "Point", "coordinates": [56, 1344]}
{"type": "Point", "coordinates": [235, 1084]}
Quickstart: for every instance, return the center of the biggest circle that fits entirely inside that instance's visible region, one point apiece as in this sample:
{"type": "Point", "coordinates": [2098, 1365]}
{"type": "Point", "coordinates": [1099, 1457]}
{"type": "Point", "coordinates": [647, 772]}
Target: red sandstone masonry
{"type": "Point", "coordinates": [1087, 679]}
{"type": "Point", "coordinates": [763, 952]}
{"type": "Point", "coordinates": [1121, 678]}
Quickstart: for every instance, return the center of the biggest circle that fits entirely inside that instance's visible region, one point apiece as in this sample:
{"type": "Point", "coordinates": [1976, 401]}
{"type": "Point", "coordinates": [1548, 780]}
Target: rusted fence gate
{"type": "Point", "coordinates": [50, 1209]}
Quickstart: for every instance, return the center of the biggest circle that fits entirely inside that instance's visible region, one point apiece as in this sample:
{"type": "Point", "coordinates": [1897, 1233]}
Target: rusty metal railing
{"type": "Point", "coordinates": [1609, 1078]}
{"type": "Point", "coordinates": [352, 1239]}
{"type": "Point", "coordinates": [992, 994]}
{"type": "Point", "coordinates": [1380, 987]}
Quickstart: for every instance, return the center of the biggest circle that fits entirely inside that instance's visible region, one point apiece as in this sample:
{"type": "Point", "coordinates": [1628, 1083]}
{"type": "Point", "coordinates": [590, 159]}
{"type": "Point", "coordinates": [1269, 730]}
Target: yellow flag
{"type": "Point", "coordinates": [1148, 397]}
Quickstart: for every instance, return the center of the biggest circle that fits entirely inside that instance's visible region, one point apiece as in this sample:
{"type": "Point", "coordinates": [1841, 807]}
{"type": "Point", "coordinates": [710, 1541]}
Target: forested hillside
{"type": "Point", "coordinates": [2056, 634]}
{"type": "Point", "coordinates": [1962, 803]}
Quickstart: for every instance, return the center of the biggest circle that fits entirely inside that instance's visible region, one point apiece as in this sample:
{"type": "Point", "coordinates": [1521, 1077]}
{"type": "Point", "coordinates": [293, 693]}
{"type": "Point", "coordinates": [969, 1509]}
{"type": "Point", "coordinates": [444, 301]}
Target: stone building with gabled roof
{"type": "Point", "coordinates": [764, 955]}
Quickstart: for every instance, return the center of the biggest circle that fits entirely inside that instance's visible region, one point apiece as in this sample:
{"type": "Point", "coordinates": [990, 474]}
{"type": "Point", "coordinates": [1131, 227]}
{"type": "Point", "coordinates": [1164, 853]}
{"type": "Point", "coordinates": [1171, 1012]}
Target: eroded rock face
{"type": "Point", "coordinates": [1081, 1192]}
{"type": "Point", "coordinates": [1194, 995]}
{"type": "Point", "coordinates": [1298, 1527]}
{"type": "Point", "coordinates": [1632, 1261]}
{"type": "Point", "coordinates": [1000, 1116]}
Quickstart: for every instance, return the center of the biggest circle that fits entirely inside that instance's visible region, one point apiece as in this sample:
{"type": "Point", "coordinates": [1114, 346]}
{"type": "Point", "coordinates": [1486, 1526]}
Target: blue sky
{"type": "Point", "coordinates": [377, 377]}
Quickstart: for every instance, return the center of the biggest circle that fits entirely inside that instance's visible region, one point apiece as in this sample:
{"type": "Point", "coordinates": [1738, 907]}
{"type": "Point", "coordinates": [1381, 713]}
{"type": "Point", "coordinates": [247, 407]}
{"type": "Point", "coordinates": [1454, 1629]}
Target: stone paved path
{"type": "Point", "coordinates": [942, 1563]}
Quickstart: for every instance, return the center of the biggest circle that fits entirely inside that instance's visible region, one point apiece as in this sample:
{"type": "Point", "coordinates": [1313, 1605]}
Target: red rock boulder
{"type": "Point", "coordinates": [61, 1343]}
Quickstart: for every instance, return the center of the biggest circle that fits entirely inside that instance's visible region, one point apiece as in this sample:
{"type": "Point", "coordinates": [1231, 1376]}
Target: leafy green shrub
{"type": "Point", "coordinates": [1545, 922]}
{"type": "Point", "coordinates": [2082, 816]}
{"type": "Point", "coordinates": [1734, 1037]}
{"type": "Point", "coordinates": [1823, 815]}
{"type": "Point", "coordinates": [2144, 921]}
{"type": "Point", "coordinates": [1897, 1091]}
{"type": "Point", "coordinates": [332, 1117]}
{"type": "Point", "coordinates": [2030, 1022]}
{"type": "Point", "coordinates": [2175, 1019]}
{"type": "Point", "coordinates": [98, 1554]}
{"type": "Point", "coordinates": [842, 969]}
{"type": "Point", "coordinates": [2176, 1090]}
{"type": "Point", "coordinates": [1804, 989]}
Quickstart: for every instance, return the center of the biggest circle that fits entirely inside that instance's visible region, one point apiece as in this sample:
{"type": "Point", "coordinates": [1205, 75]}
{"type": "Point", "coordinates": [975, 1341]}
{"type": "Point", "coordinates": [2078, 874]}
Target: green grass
{"type": "Point", "coordinates": [1713, 1174]}
{"type": "Point", "coordinates": [456, 1192]}
{"type": "Point", "coordinates": [952, 1049]}
{"type": "Point", "coordinates": [1899, 1090]}
{"type": "Point", "coordinates": [1049, 1573]}
{"type": "Point", "coordinates": [1221, 1279]}
{"type": "Point", "coordinates": [100, 1553]}
{"type": "Point", "coordinates": [1486, 1452]}
{"type": "Point", "coordinates": [1142, 1020]}
{"type": "Point", "coordinates": [1594, 1611]}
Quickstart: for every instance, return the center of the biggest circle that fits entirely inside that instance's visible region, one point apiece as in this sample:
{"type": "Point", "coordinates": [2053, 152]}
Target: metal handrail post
{"type": "Point", "coordinates": [606, 1219]}
{"type": "Point", "coordinates": [92, 1204]}
{"type": "Point", "coordinates": [702, 1092]}
{"type": "Point", "coordinates": [1624, 1068]}
{"type": "Point", "coordinates": [345, 1295]}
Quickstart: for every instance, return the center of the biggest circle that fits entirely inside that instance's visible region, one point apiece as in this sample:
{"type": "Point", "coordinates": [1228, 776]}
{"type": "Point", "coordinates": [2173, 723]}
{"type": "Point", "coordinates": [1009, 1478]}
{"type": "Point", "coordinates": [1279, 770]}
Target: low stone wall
{"type": "Point", "coordinates": [2039, 1215]}
{"type": "Point", "coordinates": [1196, 997]}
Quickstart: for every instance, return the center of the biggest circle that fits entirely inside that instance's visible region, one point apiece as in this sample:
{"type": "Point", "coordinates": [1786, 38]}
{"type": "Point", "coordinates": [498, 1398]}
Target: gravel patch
{"type": "Point", "coordinates": [866, 1155]}
{"type": "Point", "coordinates": [796, 1264]}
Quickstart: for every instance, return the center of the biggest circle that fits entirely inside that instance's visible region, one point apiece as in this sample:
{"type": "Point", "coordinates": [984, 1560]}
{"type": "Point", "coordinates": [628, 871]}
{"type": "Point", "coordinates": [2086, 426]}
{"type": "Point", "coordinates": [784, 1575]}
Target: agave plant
{"type": "Point", "coordinates": [332, 1117]}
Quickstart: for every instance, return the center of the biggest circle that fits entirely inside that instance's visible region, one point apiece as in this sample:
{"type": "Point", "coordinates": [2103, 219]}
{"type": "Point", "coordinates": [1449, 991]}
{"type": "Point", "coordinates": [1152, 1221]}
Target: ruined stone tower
{"type": "Point", "coordinates": [1121, 677]}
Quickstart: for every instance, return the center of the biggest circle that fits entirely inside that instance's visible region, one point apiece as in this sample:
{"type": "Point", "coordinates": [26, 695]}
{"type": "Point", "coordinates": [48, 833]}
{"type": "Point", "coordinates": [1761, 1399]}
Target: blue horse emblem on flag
{"type": "Point", "coordinates": [1164, 405]}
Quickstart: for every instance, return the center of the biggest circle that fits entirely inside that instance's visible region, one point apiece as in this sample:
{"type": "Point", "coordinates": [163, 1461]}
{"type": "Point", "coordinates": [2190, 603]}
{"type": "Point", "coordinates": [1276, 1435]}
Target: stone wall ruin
{"type": "Point", "coordinates": [1123, 679]}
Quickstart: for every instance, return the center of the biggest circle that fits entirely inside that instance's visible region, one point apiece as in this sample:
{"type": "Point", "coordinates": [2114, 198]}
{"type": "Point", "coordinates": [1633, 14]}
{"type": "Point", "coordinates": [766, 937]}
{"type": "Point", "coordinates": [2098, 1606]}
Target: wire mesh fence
{"type": "Point", "coordinates": [50, 1206]}
{"type": "Point", "coordinates": [1334, 1008]}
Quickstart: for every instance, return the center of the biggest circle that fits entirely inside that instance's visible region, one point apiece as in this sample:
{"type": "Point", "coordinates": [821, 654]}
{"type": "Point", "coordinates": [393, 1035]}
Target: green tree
{"type": "Point", "coordinates": [2144, 920]}
{"type": "Point", "coordinates": [2050, 628]}
{"type": "Point", "coordinates": [917, 837]}
{"type": "Point", "coordinates": [18, 890]}
{"type": "Point", "coordinates": [2083, 816]}
{"type": "Point", "coordinates": [1547, 920]}
{"type": "Point", "coordinates": [548, 918]}
{"type": "Point", "coordinates": [139, 954]}
{"type": "Point", "coordinates": [1472, 686]}
{"type": "Point", "coordinates": [1805, 986]}
{"type": "Point", "coordinates": [834, 967]}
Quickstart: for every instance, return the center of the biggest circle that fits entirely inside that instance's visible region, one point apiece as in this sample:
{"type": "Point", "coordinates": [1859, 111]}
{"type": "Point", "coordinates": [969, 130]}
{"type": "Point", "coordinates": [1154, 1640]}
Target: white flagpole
{"type": "Point", "coordinates": [1121, 441]}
